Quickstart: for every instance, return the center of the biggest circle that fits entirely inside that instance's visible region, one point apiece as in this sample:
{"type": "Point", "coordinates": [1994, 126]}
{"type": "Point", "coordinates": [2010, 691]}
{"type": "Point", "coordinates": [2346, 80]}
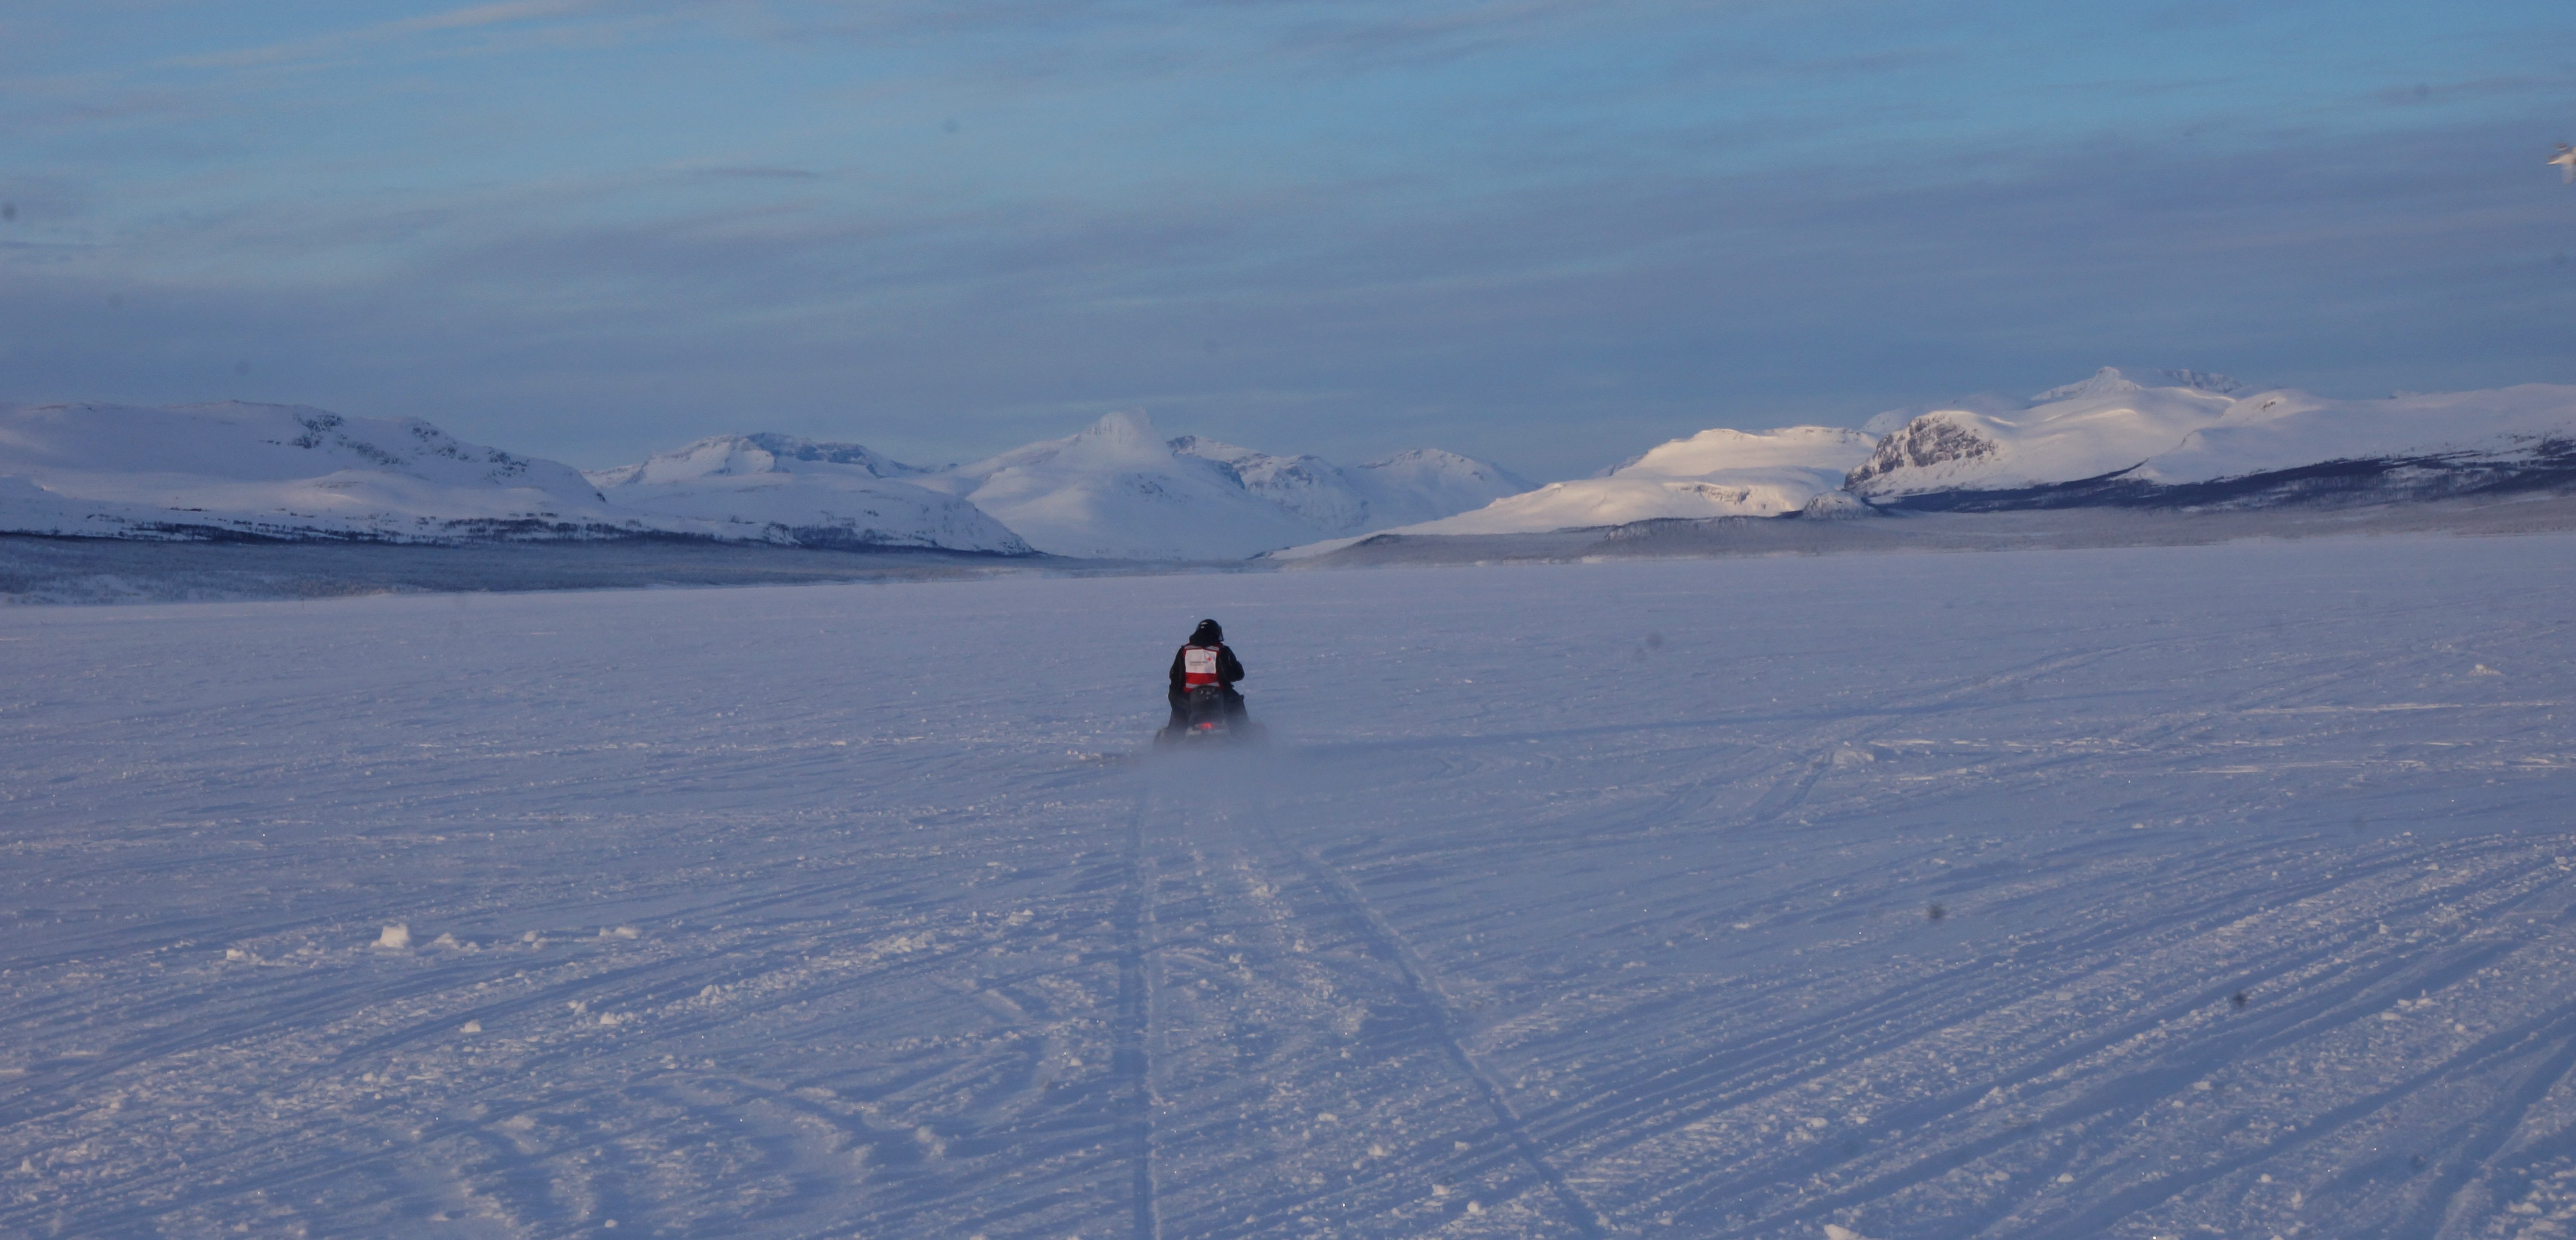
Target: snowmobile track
{"type": "Point", "coordinates": [1422, 988]}
{"type": "Point", "coordinates": [1134, 1053]}
{"type": "Point", "coordinates": [826, 948]}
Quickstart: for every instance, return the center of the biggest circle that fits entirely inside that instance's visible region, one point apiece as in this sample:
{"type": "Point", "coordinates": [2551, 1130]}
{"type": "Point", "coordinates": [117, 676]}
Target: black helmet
{"type": "Point", "coordinates": [1208, 633]}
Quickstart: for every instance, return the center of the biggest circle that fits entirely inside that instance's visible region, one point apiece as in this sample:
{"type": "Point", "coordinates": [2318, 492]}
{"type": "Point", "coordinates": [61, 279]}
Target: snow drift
{"type": "Point", "coordinates": [781, 489]}
{"type": "Point", "coordinates": [234, 469]}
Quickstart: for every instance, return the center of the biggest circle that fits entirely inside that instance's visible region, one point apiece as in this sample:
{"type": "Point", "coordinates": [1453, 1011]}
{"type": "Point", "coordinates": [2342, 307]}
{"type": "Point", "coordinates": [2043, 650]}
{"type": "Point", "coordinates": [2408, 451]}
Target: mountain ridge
{"type": "Point", "coordinates": [1120, 489]}
{"type": "Point", "coordinates": [240, 469]}
{"type": "Point", "coordinates": [782, 489]}
{"type": "Point", "coordinates": [2207, 444]}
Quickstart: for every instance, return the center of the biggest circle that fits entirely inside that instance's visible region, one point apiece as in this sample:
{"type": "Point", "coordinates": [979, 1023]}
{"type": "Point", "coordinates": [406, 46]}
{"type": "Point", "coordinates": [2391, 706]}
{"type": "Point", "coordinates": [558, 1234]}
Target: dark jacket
{"type": "Point", "coordinates": [1228, 670]}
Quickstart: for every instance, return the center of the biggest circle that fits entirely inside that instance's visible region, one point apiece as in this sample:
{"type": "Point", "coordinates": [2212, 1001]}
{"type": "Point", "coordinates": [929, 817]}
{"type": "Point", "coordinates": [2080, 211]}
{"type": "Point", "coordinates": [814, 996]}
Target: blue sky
{"type": "Point", "coordinates": [1548, 233]}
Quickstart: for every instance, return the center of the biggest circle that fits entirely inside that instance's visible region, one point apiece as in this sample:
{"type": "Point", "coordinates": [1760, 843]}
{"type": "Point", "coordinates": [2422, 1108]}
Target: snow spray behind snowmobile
{"type": "Point", "coordinates": [1205, 716]}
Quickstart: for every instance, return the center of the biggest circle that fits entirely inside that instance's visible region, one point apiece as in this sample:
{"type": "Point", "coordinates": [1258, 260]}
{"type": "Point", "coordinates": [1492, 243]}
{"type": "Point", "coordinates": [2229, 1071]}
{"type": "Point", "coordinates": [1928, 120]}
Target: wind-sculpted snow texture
{"type": "Point", "coordinates": [248, 470]}
{"type": "Point", "coordinates": [2203, 440]}
{"type": "Point", "coordinates": [2154, 892]}
{"type": "Point", "coordinates": [781, 489]}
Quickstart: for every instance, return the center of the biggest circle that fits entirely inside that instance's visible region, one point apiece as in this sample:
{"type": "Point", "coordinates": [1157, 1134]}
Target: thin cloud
{"type": "Point", "coordinates": [468, 18]}
{"type": "Point", "coordinates": [756, 173]}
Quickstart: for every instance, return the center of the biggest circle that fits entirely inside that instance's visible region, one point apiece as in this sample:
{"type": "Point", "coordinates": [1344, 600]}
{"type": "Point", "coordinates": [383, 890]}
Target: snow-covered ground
{"type": "Point", "coordinates": [2148, 892]}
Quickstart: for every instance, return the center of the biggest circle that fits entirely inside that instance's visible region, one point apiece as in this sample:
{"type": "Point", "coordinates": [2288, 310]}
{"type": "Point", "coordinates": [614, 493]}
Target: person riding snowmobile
{"type": "Point", "coordinates": [1204, 660]}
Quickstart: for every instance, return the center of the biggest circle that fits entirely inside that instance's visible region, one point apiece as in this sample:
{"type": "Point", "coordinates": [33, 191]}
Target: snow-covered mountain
{"type": "Point", "coordinates": [781, 489]}
{"type": "Point", "coordinates": [291, 472]}
{"type": "Point", "coordinates": [2106, 424]}
{"type": "Point", "coordinates": [2180, 437]}
{"type": "Point", "coordinates": [2201, 439]}
{"type": "Point", "coordinates": [1420, 485]}
{"type": "Point", "coordinates": [728, 455]}
{"type": "Point", "coordinates": [1118, 490]}
{"type": "Point", "coordinates": [1716, 473]}
{"type": "Point", "coordinates": [233, 470]}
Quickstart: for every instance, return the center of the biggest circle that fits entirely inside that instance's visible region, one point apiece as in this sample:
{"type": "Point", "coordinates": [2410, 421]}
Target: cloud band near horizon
{"type": "Point", "coordinates": [1547, 234]}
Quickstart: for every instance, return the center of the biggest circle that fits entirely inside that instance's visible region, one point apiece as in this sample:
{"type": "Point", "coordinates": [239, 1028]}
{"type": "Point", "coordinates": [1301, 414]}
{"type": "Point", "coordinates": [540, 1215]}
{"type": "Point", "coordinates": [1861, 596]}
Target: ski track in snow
{"type": "Point", "coordinates": [1581, 900]}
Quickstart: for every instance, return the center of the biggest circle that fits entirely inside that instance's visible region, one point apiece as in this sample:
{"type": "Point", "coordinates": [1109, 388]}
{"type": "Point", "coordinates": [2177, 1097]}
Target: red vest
{"type": "Point", "coordinates": [1198, 666]}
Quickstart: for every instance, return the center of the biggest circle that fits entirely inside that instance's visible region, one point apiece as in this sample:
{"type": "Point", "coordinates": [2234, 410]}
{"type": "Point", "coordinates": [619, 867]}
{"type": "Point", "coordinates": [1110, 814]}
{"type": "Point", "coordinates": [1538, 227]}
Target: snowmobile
{"type": "Point", "coordinates": [1205, 719]}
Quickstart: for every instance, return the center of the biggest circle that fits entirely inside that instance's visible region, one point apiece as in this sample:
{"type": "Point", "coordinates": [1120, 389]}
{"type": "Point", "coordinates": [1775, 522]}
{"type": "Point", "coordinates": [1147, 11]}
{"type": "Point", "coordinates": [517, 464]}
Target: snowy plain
{"type": "Point", "coordinates": [2160, 891]}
